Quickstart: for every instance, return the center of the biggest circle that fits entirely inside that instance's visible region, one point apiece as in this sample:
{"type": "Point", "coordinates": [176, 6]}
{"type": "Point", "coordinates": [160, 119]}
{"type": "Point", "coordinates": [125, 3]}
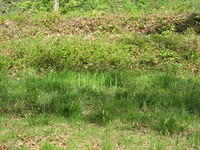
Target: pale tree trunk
{"type": "Point", "coordinates": [56, 5]}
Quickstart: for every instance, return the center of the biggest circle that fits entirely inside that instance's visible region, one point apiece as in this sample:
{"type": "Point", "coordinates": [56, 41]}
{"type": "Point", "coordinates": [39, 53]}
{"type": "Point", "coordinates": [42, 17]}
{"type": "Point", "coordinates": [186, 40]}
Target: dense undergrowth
{"type": "Point", "coordinates": [168, 51]}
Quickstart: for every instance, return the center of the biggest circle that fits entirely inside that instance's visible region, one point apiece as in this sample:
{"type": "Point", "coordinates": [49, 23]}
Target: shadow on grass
{"type": "Point", "coordinates": [155, 100]}
{"type": "Point", "coordinates": [190, 22]}
{"type": "Point", "coordinates": [193, 21]}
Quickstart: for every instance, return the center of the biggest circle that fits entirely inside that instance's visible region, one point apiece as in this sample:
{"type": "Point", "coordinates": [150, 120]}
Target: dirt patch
{"type": "Point", "coordinates": [34, 143]}
{"type": "Point", "coordinates": [3, 147]}
{"type": "Point", "coordinates": [6, 53]}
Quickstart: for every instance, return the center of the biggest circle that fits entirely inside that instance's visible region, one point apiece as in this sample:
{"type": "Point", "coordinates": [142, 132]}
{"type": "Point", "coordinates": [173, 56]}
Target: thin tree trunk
{"type": "Point", "coordinates": [56, 5]}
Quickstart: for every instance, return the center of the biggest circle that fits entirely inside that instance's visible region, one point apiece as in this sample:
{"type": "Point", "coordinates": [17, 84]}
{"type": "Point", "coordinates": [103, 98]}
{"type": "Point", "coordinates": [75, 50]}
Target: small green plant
{"type": "Point", "coordinates": [103, 113]}
{"type": "Point", "coordinates": [49, 146]}
{"type": "Point", "coordinates": [35, 120]}
{"type": "Point", "coordinates": [168, 126]}
{"type": "Point", "coordinates": [107, 141]}
{"type": "Point", "coordinates": [195, 139]}
{"type": "Point", "coordinates": [7, 136]}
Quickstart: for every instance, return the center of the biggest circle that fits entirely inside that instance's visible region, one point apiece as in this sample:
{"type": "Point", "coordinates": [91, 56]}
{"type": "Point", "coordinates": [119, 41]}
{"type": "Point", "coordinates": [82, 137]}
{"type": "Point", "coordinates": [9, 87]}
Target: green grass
{"type": "Point", "coordinates": [62, 133]}
{"type": "Point", "coordinates": [101, 91]}
{"type": "Point", "coordinates": [164, 103]}
{"type": "Point", "coordinates": [88, 6]}
{"type": "Point", "coordinates": [65, 91]}
{"type": "Point", "coordinates": [101, 74]}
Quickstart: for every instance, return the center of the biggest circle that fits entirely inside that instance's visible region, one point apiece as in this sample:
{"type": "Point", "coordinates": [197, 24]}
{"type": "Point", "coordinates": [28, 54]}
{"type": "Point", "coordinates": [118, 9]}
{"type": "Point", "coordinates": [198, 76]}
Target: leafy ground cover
{"type": "Point", "coordinates": [168, 51]}
{"type": "Point", "coordinates": [100, 75]}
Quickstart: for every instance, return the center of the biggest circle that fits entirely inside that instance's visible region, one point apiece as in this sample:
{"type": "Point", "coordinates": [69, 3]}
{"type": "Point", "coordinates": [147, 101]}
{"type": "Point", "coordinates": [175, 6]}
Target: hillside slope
{"type": "Point", "coordinates": [100, 75]}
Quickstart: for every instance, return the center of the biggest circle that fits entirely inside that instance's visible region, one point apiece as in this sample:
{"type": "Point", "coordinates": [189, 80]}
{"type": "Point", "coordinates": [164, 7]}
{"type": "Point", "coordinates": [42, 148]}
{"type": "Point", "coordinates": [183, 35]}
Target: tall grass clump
{"type": "Point", "coordinates": [33, 94]}
{"type": "Point", "coordinates": [148, 99]}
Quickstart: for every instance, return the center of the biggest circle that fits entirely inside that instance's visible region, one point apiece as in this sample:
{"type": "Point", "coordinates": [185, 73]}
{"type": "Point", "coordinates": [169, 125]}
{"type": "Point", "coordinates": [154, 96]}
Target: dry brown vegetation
{"type": "Point", "coordinates": [119, 23]}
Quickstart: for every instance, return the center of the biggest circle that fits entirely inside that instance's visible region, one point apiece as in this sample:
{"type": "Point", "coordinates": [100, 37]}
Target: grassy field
{"type": "Point", "coordinates": [100, 75]}
{"type": "Point", "coordinates": [87, 110]}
